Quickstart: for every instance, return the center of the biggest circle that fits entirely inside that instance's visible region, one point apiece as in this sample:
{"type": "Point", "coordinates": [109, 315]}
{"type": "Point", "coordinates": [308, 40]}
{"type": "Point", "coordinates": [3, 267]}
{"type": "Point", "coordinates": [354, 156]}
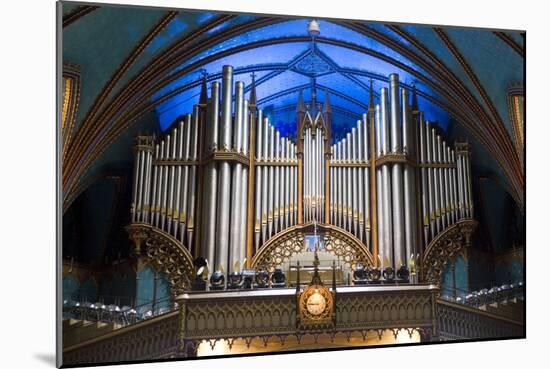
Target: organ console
{"type": "Point", "coordinates": [224, 181]}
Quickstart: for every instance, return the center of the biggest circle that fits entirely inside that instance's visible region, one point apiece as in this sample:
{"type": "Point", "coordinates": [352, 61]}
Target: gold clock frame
{"type": "Point", "coordinates": [306, 320]}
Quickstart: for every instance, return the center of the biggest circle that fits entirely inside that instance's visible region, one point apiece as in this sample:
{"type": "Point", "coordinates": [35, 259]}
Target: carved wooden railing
{"type": "Point", "coordinates": [150, 339]}
{"type": "Point", "coordinates": [268, 314]}
{"type": "Point", "coordinates": [458, 322]}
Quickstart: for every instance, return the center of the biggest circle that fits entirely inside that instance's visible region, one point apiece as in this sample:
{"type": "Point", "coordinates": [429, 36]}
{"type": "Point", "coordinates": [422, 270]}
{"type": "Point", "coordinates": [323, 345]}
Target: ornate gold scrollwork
{"type": "Point", "coordinates": [291, 241]}
{"type": "Point", "coordinates": [165, 253]}
{"type": "Point", "coordinates": [443, 249]}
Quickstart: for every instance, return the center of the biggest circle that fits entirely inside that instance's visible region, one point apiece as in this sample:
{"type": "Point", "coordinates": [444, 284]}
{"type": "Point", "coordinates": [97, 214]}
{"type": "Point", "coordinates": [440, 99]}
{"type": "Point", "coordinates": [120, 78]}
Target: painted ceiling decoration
{"type": "Point", "coordinates": [162, 55]}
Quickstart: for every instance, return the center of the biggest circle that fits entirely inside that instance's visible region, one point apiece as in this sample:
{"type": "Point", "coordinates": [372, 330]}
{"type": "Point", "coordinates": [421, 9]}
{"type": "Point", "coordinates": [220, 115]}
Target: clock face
{"type": "Point", "coordinates": [316, 303]}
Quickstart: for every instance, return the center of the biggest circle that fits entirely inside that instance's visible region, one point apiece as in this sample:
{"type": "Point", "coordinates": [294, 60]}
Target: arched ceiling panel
{"type": "Point", "coordinates": [485, 54]}
{"type": "Point", "coordinates": [428, 38]}
{"type": "Point", "coordinates": [282, 29]}
{"type": "Point", "coordinates": [100, 41]}
{"type": "Point", "coordinates": [182, 24]}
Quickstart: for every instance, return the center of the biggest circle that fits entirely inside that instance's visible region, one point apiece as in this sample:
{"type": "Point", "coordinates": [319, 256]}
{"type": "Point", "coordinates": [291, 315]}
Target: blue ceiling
{"type": "Point", "coordinates": [342, 60]}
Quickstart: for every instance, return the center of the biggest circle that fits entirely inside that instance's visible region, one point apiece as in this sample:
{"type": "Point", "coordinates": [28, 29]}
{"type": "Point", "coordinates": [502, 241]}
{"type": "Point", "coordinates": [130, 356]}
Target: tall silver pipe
{"type": "Point", "coordinates": [386, 180]}
{"type": "Point", "coordinates": [441, 179]}
{"type": "Point", "coordinates": [160, 185]}
{"type": "Point", "coordinates": [193, 178]}
{"type": "Point", "coordinates": [236, 187]}
{"type": "Point", "coordinates": [346, 182]}
{"type": "Point", "coordinates": [222, 231]}
{"type": "Point", "coordinates": [148, 185]}
{"type": "Point", "coordinates": [454, 186]}
{"type": "Point", "coordinates": [366, 181]}
{"type": "Point", "coordinates": [270, 194]}
{"type": "Point", "coordinates": [396, 139]}
{"type": "Point", "coordinates": [244, 181]}
{"type": "Point", "coordinates": [210, 191]}
{"type": "Point", "coordinates": [398, 210]}
{"type": "Point", "coordinates": [276, 188]}
{"type": "Point", "coordinates": [437, 196]}
{"type": "Point", "coordinates": [178, 184]}
{"type": "Point", "coordinates": [172, 179]}
{"type": "Point", "coordinates": [460, 181]}
{"type": "Point", "coordinates": [339, 187]}
{"type": "Point", "coordinates": [282, 187]}
{"type": "Point", "coordinates": [469, 183]}
{"type": "Point", "coordinates": [431, 180]}
{"type": "Point", "coordinates": [265, 174]}
{"type": "Point", "coordinates": [349, 185]}
{"type": "Point", "coordinates": [156, 177]}
{"type": "Point", "coordinates": [355, 183]}
{"type": "Point", "coordinates": [141, 184]}
{"type": "Point", "coordinates": [446, 189]}
{"type": "Point", "coordinates": [424, 179]}
{"type": "Point", "coordinates": [258, 185]}
{"type": "Point", "coordinates": [185, 180]}
{"type": "Point", "coordinates": [379, 187]}
{"type": "Point", "coordinates": [409, 181]}
{"type": "Point", "coordinates": [333, 183]}
{"type": "Point", "coordinates": [359, 174]}
{"type": "Point", "coordinates": [293, 181]}
{"type": "Point", "coordinates": [287, 184]}
{"type": "Point", "coordinates": [165, 184]}
{"type": "Point", "coordinates": [135, 185]}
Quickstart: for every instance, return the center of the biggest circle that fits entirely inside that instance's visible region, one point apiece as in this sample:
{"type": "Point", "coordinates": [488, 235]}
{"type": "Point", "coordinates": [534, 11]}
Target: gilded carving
{"type": "Point", "coordinates": [444, 247]}
{"type": "Point", "coordinates": [165, 255]}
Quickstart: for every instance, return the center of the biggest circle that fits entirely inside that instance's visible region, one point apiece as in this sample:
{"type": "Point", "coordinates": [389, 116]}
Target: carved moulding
{"type": "Point", "coordinates": [338, 242]}
{"type": "Point", "coordinates": [165, 254]}
{"type": "Point", "coordinates": [444, 247]}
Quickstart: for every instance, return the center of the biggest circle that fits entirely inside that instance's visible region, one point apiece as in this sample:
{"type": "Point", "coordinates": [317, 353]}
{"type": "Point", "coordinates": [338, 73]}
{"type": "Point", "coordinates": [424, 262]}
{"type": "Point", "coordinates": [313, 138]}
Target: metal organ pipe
{"type": "Point", "coordinates": [355, 184]}
{"type": "Point", "coordinates": [437, 197]}
{"type": "Point", "coordinates": [386, 180]}
{"type": "Point", "coordinates": [211, 179]}
{"type": "Point", "coordinates": [366, 181]}
{"type": "Point", "coordinates": [447, 210]}
{"type": "Point", "coordinates": [266, 175]}
{"type": "Point", "coordinates": [258, 183]}
{"type": "Point", "coordinates": [236, 186]}
{"type": "Point", "coordinates": [360, 188]}
{"type": "Point", "coordinates": [379, 188]}
{"type": "Point", "coordinates": [244, 181]}
{"type": "Point", "coordinates": [222, 231]}
{"type": "Point", "coordinates": [423, 179]}
{"type": "Point", "coordinates": [409, 188]}
{"type": "Point", "coordinates": [397, 176]}
{"type": "Point", "coordinates": [276, 187]}
{"type": "Point", "coordinates": [270, 182]}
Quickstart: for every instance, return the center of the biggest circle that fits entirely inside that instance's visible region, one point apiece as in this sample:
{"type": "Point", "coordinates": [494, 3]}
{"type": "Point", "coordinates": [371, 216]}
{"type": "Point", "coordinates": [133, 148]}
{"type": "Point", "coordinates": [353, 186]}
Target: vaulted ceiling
{"type": "Point", "coordinates": [141, 68]}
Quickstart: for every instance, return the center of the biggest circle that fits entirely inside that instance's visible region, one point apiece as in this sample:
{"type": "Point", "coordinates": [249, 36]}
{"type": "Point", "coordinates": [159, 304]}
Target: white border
{"type": "Point", "coordinates": [27, 182]}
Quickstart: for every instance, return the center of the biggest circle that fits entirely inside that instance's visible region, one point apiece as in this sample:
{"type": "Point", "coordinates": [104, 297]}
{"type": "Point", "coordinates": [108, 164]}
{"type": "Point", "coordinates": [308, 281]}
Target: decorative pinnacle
{"type": "Point", "coordinates": [371, 96]}
{"type": "Point", "coordinates": [414, 98]}
{"type": "Point", "coordinates": [252, 97]}
{"type": "Point", "coordinates": [204, 90]}
{"type": "Point", "coordinates": [327, 108]}
{"type": "Point", "coordinates": [300, 108]}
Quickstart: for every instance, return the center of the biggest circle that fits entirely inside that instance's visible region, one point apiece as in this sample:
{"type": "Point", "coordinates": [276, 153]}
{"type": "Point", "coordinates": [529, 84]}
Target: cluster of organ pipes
{"type": "Point", "coordinates": [276, 178]}
{"type": "Point", "coordinates": [349, 177]}
{"type": "Point", "coordinates": [223, 180]}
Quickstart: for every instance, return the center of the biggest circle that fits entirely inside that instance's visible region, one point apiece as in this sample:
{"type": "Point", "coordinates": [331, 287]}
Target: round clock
{"type": "Point", "coordinates": [316, 303]}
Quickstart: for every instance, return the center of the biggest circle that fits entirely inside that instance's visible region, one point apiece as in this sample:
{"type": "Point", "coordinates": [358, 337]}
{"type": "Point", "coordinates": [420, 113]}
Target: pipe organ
{"type": "Point", "coordinates": [223, 181]}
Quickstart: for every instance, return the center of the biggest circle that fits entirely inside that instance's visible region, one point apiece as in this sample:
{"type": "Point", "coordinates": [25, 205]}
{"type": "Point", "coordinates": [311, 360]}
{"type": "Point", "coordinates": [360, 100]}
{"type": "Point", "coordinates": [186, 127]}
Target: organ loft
{"type": "Point", "coordinates": [265, 233]}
